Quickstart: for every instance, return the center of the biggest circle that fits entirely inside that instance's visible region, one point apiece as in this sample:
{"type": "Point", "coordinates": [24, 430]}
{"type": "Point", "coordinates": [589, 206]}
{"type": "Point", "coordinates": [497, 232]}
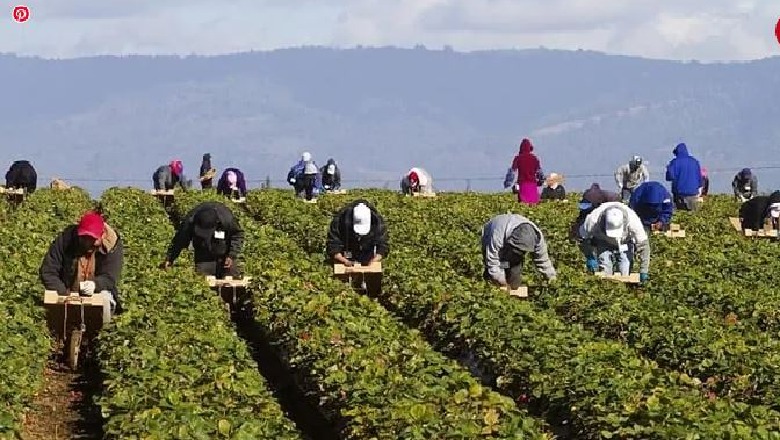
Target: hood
{"type": "Point", "coordinates": [21, 162]}
{"type": "Point", "coordinates": [703, 171]}
{"type": "Point", "coordinates": [331, 162]}
{"type": "Point", "coordinates": [746, 173]}
{"type": "Point", "coordinates": [681, 150]}
{"type": "Point", "coordinates": [207, 156]}
{"type": "Point", "coordinates": [774, 197]}
{"type": "Point", "coordinates": [654, 193]}
{"type": "Point", "coordinates": [526, 146]}
{"type": "Point", "coordinates": [109, 239]}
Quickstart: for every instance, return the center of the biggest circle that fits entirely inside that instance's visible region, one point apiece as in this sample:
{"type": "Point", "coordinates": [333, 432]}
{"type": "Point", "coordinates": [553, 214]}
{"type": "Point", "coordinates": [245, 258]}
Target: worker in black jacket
{"type": "Point", "coordinates": [216, 237]}
{"type": "Point", "coordinates": [755, 211]}
{"type": "Point", "coordinates": [85, 258]}
{"type": "Point", "coordinates": [21, 175]}
{"type": "Point", "coordinates": [357, 234]}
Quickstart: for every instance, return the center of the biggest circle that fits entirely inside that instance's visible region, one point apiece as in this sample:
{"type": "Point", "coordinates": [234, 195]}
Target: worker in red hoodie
{"type": "Point", "coordinates": [528, 168]}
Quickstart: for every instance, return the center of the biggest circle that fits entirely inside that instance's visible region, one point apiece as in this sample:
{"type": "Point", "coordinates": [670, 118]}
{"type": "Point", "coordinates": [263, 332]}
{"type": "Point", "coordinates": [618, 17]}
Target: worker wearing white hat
{"type": "Point", "coordinates": [615, 229]}
{"type": "Point", "coordinates": [357, 234]}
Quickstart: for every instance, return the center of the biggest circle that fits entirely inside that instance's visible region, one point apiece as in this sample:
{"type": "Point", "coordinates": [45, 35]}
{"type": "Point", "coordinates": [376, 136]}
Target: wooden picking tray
{"type": "Point", "coordinates": [674, 231]}
{"type": "Point", "coordinates": [228, 282]}
{"type": "Point", "coordinates": [162, 192]}
{"type": "Point", "coordinates": [767, 232]}
{"type": "Point", "coordinates": [520, 292]}
{"type": "Point", "coordinates": [419, 194]}
{"type": "Point", "coordinates": [630, 279]}
{"type": "Point", "coordinates": [340, 269]}
{"type": "Point", "coordinates": [11, 191]}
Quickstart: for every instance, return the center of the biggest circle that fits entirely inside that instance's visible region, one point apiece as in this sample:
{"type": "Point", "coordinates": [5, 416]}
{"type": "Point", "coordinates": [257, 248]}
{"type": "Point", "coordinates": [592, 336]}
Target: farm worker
{"type": "Point", "coordinates": [613, 228]}
{"type": "Point", "coordinates": [232, 183]}
{"type": "Point", "coordinates": [357, 233]}
{"type": "Point", "coordinates": [653, 204]}
{"type": "Point", "coordinates": [506, 239]}
{"type": "Point", "coordinates": [311, 180]}
{"type": "Point", "coordinates": [684, 172]}
{"type": "Point", "coordinates": [417, 180]}
{"type": "Point", "coordinates": [629, 176]}
{"type": "Point", "coordinates": [755, 211]}
{"type": "Point", "coordinates": [553, 189]}
{"type": "Point", "coordinates": [704, 191]}
{"type": "Point", "coordinates": [215, 235]}
{"type": "Point", "coordinates": [592, 198]}
{"type": "Point", "coordinates": [295, 175]}
{"type": "Point", "coordinates": [206, 172]}
{"type": "Point", "coordinates": [21, 175]}
{"type": "Point", "coordinates": [528, 169]}
{"type": "Point", "coordinates": [745, 185]}
{"type": "Point", "coordinates": [85, 258]}
{"type": "Point", "coordinates": [168, 176]}
{"type": "Point", "coordinates": [331, 176]}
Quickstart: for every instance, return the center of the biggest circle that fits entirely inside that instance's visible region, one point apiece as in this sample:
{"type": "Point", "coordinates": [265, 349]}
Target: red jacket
{"type": "Point", "coordinates": [526, 163]}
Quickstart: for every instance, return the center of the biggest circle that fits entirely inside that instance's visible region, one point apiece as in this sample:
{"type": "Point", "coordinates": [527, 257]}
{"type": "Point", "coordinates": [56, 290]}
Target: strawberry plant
{"type": "Point", "coordinates": [372, 376]}
{"type": "Point", "coordinates": [174, 366]}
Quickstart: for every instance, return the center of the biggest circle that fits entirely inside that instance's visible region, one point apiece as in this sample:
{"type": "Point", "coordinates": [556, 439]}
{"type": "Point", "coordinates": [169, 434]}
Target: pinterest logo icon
{"type": "Point", "coordinates": [21, 13]}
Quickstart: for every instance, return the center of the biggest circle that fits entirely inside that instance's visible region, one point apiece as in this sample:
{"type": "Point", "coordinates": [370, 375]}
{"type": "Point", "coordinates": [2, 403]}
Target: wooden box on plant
{"type": "Point", "coordinates": [367, 278]}
{"type": "Point", "coordinates": [674, 231]}
{"type": "Point", "coordinates": [231, 290]}
{"type": "Point", "coordinates": [419, 194]}
{"type": "Point", "coordinates": [628, 279]}
{"type": "Point", "coordinates": [520, 292]}
{"type": "Point", "coordinates": [336, 191]}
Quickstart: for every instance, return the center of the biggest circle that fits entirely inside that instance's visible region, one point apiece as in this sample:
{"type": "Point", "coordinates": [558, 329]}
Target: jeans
{"type": "Point", "coordinates": [625, 194]}
{"type": "Point", "coordinates": [625, 259]}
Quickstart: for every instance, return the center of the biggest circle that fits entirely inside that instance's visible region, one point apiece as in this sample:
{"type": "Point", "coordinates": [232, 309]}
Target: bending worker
{"type": "Point", "coordinates": [653, 203]}
{"type": "Point", "coordinates": [506, 239]}
{"type": "Point", "coordinates": [357, 233]}
{"type": "Point", "coordinates": [745, 185]}
{"type": "Point", "coordinates": [168, 176]}
{"type": "Point", "coordinates": [614, 229]}
{"type": "Point", "coordinates": [417, 180]}
{"type": "Point", "coordinates": [331, 176]}
{"type": "Point", "coordinates": [754, 212]}
{"type": "Point", "coordinates": [21, 175]}
{"type": "Point", "coordinates": [85, 258]}
{"type": "Point", "coordinates": [629, 176]}
{"type": "Point", "coordinates": [232, 184]}
{"type": "Point", "coordinates": [215, 235]}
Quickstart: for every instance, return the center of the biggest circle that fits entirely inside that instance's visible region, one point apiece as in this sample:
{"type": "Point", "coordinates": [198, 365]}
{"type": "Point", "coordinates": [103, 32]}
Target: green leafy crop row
{"type": "Point", "coordinates": [25, 344]}
{"type": "Point", "coordinates": [372, 376]}
{"type": "Point", "coordinates": [601, 387]}
{"type": "Point", "coordinates": [174, 366]}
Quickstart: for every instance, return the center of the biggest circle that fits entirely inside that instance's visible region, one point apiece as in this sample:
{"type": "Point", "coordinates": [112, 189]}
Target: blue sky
{"type": "Point", "coordinates": [673, 29]}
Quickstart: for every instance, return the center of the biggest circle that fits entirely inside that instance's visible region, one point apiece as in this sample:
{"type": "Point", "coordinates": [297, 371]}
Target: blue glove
{"type": "Point", "coordinates": [592, 264]}
{"type": "Point", "coordinates": [643, 277]}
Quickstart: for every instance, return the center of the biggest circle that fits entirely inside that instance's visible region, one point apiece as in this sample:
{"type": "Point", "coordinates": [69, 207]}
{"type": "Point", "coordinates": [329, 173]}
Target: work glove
{"type": "Point", "coordinates": [644, 277]}
{"type": "Point", "coordinates": [592, 264]}
{"type": "Point", "coordinates": [87, 288]}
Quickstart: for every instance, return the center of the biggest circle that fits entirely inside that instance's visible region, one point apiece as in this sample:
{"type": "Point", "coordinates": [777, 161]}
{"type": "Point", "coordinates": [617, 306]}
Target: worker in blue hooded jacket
{"type": "Point", "coordinates": [653, 204]}
{"type": "Point", "coordinates": [684, 171]}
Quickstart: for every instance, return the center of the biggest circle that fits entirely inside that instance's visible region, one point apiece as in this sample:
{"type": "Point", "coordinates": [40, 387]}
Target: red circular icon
{"type": "Point", "coordinates": [21, 13]}
{"type": "Point", "coordinates": [777, 31]}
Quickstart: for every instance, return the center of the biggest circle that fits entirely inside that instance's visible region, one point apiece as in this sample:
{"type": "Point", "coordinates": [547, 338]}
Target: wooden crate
{"type": "Point", "coordinates": [162, 192]}
{"type": "Point", "coordinates": [735, 223]}
{"type": "Point", "coordinates": [630, 279]}
{"type": "Point", "coordinates": [228, 282]}
{"type": "Point", "coordinates": [340, 269]}
{"type": "Point", "coordinates": [761, 233]}
{"type": "Point", "coordinates": [419, 194]}
{"type": "Point", "coordinates": [310, 201]}
{"type": "Point", "coordinates": [674, 231]}
{"type": "Point", "coordinates": [335, 191]}
{"type": "Point", "coordinates": [520, 292]}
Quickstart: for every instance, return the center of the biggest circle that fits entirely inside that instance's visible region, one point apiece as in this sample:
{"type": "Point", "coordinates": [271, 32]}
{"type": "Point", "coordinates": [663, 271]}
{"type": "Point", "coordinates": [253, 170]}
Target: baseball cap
{"type": "Point", "coordinates": [205, 223]}
{"type": "Point", "coordinates": [614, 223]}
{"type": "Point", "coordinates": [774, 210]}
{"type": "Point", "coordinates": [91, 225]}
{"type": "Point", "coordinates": [361, 219]}
{"type": "Point", "coordinates": [306, 156]}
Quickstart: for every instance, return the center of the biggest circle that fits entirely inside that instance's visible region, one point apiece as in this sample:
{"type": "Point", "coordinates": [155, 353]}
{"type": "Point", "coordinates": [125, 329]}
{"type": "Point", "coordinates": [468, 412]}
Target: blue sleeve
{"type": "Point", "coordinates": [670, 171]}
{"type": "Point", "coordinates": [667, 209]}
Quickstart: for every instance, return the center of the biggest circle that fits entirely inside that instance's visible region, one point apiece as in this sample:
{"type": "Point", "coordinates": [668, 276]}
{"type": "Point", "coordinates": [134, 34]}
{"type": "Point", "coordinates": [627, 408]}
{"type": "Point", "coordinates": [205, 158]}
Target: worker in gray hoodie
{"type": "Point", "coordinates": [629, 176]}
{"type": "Point", "coordinates": [506, 239]}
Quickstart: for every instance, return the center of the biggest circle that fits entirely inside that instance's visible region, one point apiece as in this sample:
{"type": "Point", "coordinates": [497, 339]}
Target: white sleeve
{"type": "Point", "coordinates": [636, 228]}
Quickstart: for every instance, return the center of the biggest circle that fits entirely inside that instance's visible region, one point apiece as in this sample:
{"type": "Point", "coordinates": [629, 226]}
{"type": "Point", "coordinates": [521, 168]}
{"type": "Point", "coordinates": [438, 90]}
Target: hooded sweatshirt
{"type": "Point", "coordinates": [21, 174]}
{"type": "Point", "coordinates": [166, 178]}
{"type": "Point", "coordinates": [526, 163]}
{"type": "Point", "coordinates": [331, 181]}
{"type": "Point", "coordinates": [425, 181]}
{"type": "Point", "coordinates": [495, 234]}
{"type": "Point", "coordinates": [755, 211]}
{"type": "Point", "coordinates": [684, 172]}
{"type": "Point", "coordinates": [745, 183]}
{"type": "Point", "coordinates": [653, 203]}
{"type": "Point", "coordinates": [594, 237]}
{"type": "Point", "coordinates": [224, 185]}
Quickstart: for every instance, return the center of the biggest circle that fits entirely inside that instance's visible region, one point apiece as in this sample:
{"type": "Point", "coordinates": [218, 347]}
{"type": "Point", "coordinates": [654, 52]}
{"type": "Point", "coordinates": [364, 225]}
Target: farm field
{"type": "Point", "coordinates": [693, 354]}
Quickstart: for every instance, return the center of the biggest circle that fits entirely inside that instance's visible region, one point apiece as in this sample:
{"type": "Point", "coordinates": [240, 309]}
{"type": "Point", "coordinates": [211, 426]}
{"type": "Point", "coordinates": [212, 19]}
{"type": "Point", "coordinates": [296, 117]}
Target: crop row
{"type": "Point", "coordinates": [174, 366]}
{"type": "Point", "coordinates": [373, 377]}
{"type": "Point", "coordinates": [732, 360]}
{"type": "Point", "coordinates": [25, 345]}
{"type": "Point", "coordinates": [601, 387]}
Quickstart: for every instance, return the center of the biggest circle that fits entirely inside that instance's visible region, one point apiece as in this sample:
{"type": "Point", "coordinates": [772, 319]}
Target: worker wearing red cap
{"type": "Point", "coordinates": [84, 258]}
{"type": "Point", "coordinates": [417, 180]}
{"type": "Point", "coordinates": [168, 176]}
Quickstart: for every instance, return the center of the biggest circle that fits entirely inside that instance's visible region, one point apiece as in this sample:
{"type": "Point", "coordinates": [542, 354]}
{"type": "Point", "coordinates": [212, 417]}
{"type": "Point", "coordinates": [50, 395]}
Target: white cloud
{"type": "Point", "coordinates": [679, 29]}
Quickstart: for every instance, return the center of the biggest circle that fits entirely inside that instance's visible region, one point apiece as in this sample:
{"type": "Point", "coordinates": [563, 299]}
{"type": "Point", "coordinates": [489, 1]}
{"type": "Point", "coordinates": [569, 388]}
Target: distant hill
{"type": "Point", "coordinates": [379, 111]}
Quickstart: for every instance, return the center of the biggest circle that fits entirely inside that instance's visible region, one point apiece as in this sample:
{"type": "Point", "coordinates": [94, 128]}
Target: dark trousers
{"type": "Point", "coordinates": [216, 268]}
{"type": "Point", "coordinates": [308, 185]}
{"type": "Point", "coordinates": [206, 184]}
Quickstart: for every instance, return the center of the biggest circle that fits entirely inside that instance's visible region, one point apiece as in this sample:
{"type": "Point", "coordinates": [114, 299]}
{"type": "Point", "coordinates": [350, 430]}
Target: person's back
{"type": "Point", "coordinates": [653, 203]}
{"type": "Point", "coordinates": [754, 212]}
{"type": "Point", "coordinates": [331, 175]}
{"type": "Point", "coordinates": [22, 175]}
{"type": "Point", "coordinates": [231, 183]}
{"type": "Point", "coordinates": [360, 245]}
{"type": "Point", "coordinates": [684, 171]}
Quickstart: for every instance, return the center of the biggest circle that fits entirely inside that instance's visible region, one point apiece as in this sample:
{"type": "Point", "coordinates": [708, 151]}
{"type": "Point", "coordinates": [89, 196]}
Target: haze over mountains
{"type": "Point", "coordinates": [379, 111]}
